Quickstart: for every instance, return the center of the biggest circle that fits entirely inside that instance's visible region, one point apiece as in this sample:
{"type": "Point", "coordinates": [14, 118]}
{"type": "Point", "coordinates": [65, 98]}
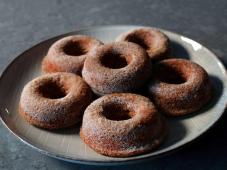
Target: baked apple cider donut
{"type": "Point", "coordinates": [122, 125]}
{"type": "Point", "coordinates": [68, 54]}
{"type": "Point", "coordinates": [179, 86]}
{"type": "Point", "coordinates": [116, 67]}
{"type": "Point", "coordinates": [55, 100]}
{"type": "Point", "coordinates": [155, 42]}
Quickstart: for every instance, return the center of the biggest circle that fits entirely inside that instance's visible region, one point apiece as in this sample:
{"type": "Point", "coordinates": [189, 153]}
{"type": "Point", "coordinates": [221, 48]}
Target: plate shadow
{"type": "Point", "coordinates": [178, 51]}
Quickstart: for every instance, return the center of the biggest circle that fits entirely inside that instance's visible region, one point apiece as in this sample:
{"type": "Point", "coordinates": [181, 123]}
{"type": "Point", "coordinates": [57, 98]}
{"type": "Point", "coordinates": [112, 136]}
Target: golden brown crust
{"type": "Point", "coordinates": [155, 42]}
{"type": "Point", "coordinates": [71, 120]}
{"type": "Point", "coordinates": [55, 100]}
{"type": "Point", "coordinates": [68, 54]}
{"type": "Point", "coordinates": [119, 136]}
{"type": "Point", "coordinates": [179, 86]}
{"type": "Point", "coordinates": [117, 67]}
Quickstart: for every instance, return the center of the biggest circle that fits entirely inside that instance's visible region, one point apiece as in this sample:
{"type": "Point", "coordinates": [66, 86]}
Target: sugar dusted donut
{"type": "Point", "coordinates": [152, 40]}
{"type": "Point", "coordinates": [117, 67]}
{"type": "Point", "coordinates": [68, 54]}
{"type": "Point", "coordinates": [122, 125]}
{"type": "Point", "coordinates": [179, 86]}
{"type": "Point", "coordinates": [54, 101]}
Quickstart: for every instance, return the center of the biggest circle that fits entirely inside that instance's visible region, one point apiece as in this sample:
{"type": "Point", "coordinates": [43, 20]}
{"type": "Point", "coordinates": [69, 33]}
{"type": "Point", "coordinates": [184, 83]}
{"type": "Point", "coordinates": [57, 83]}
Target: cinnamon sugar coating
{"type": "Point", "coordinates": [55, 100]}
{"type": "Point", "coordinates": [117, 67]}
{"type": "Point", "coordinates": [179, 86]}
{"type": "Point", "coordinates": [68, 54]}
{"type": "Point", "coordinates": [122, 125]}
{"type": "Point", "coordinates": [155, 42]}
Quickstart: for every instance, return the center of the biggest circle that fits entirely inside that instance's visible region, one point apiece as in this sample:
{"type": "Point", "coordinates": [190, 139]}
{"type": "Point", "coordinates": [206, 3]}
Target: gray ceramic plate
{"type": "Point", "coordinates": [66, 144]}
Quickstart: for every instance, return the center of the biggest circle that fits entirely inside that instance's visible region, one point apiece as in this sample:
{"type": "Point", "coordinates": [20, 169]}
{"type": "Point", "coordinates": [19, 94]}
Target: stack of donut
{"type": "Point", "coordinates": [96, 83]}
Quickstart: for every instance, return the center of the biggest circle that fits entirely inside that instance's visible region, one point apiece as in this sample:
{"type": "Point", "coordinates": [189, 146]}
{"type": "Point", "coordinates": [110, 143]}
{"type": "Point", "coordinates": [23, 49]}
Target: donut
{"type": "Point", "coordinates": [116, 67]}
{"type": "Point", "coordinates": [68, 54]}
{"type": "Point", "coordinates": [55, 100]}
{"type": "Point", "coordinates": [155, 42]}
{"type": "Point", "coordinates": [122, 125]}
{"type": "Point", "coordinates": [179, 86]}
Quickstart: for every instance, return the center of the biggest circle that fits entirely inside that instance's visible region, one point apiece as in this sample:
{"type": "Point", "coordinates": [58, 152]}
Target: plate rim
{"type": "Point", "coordinates": [113, 162]}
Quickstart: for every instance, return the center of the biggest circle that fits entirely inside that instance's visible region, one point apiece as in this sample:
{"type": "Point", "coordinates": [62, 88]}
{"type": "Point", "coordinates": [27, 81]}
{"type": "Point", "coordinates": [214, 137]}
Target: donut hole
{"type": "Point", "coordinates": [140, 39]}
{"type": "Point", "coordinates": [170, 74]}
{"type": "Point", "coordinates": [117, 112]}
{"type": "Point", "coordinates": [76, 48]}
{"type": "Point", "coordinates": [52, 90]}
{"type": "Point", "coordinates": [114, 60]}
